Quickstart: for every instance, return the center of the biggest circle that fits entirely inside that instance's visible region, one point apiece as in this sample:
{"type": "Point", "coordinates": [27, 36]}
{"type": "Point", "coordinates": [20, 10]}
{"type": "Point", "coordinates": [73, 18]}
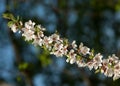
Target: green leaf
{"type": "Point", "coordinates": [10, 23]}
{"type": "Point", "coordinates": [92, 54]}
{"type": "Point", "coordinates": [30, 41]}
{"type": "Point", "coordinates": [9, 16]}
{"type": "Point", "coordinates": [91, 57]}
{"type": "Point", "coordinates": [65, 41]}
{"type": "Point", "coordinates": [79, 57]}
{"type": "Point", "coordinates": [97, 71]}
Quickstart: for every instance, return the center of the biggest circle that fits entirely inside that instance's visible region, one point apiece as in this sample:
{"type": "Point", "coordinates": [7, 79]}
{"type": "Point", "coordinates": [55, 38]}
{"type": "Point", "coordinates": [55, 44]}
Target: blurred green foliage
{"type": "Point", "coordinates": [44, 58]}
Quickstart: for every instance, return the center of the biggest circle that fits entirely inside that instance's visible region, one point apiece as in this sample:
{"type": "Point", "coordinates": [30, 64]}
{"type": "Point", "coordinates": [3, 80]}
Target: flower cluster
{"type": "Point", "coordinates": [81, 55]}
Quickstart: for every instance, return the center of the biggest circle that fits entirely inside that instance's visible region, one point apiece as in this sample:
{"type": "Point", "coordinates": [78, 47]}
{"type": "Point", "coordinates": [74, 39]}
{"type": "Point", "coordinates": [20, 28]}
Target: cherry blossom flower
{"type": "Point", "coordinates": [116, 76]}
{"type": "Point", "coordinates": [38, 41]}
{"type": "Point", "coordinates": [83, 49]}
{"type": "Point", "coordinates": [28, 34]}
{"type": "Point", "coordinates": [14, 28]}
{"type": "Point", "coordinates": [72, 57]}
{"type": "Point", "coordinates": [58, 45]}
{"type": "Point", "coordinates": [112, 59]}
{"type": "Point", "coordinates": [109, 72]}
{"type": "Point", "coordinates": [55, 37]}
{"type": "Point", "coordinates": [74, 45]}
{"type": "Point", "coordinates": [65, 49]}
{"type": "Point", "coordinates": [104, 66]}
{"type": "Point", "coordinates": [116, 71]}
{"type": "Point", "coordinates": [81, 63]}
{"type": "Point", "coordinates": [58, 53]}
{"type": "Point", "coordinates": [97, 60]}
{"type": "Point", "coordinates": [90, 64]}
{"type": "Point", "coordinates": [47, 40]}
{"type": "Point", "coordinates": [29, 25]}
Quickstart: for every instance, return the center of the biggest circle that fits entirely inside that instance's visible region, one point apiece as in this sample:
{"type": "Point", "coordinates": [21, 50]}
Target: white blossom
{"type": "Point", "coordinates": [104, 66]}
{"type": "Point", "coordinates": [116, 76]}
{"type": "Point", "coordinates": [65, 49]}
{"type": "Point", "coordinates": [72, 57]}
{"type": "Point", "coordinates": [97, 60]}
{"type": "Point", "coordinates": [58, 49]}
{"type": "Point", "coordinates": [58, 45]}
{"type": "Point", "coordinates": [109, 72]}
{"type": "Point", "coordinates": [90, 64]}
{"type": "Point", "coordinates": [74, 45]}
{"type": "Point", "coordinates": [113, 59]}
{"type": "Point", "coordinates": [29, 25]}
{"type": "Point", "coordinates": [58, 53]}
{"type": "Point", "coordinates": [38, 41]}
{"type": "Point", "coordinates": [81, 63]}
{"type": "Point", "coordinates": [14, 28]}
{"type": "Point", "coordinates": [83, 49]}
{"type": "Point", "coordinates": [47, 40]}
{"type": "Point", "coordinates": [116, 71]}
{"type": "Point", "coordinates": [28, 34]}
{"type": "Point", "coordinates": [55, 37]}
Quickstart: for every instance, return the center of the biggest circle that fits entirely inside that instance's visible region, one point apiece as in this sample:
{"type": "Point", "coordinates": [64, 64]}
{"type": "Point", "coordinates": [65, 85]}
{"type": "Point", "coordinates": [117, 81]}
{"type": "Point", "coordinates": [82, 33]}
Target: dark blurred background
{"type": "Point", "coordinates": [96, 23]}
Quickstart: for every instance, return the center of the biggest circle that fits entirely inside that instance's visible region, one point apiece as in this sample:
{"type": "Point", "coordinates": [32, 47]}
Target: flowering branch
{"type": "Point", "coordinates": [79, 54]}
